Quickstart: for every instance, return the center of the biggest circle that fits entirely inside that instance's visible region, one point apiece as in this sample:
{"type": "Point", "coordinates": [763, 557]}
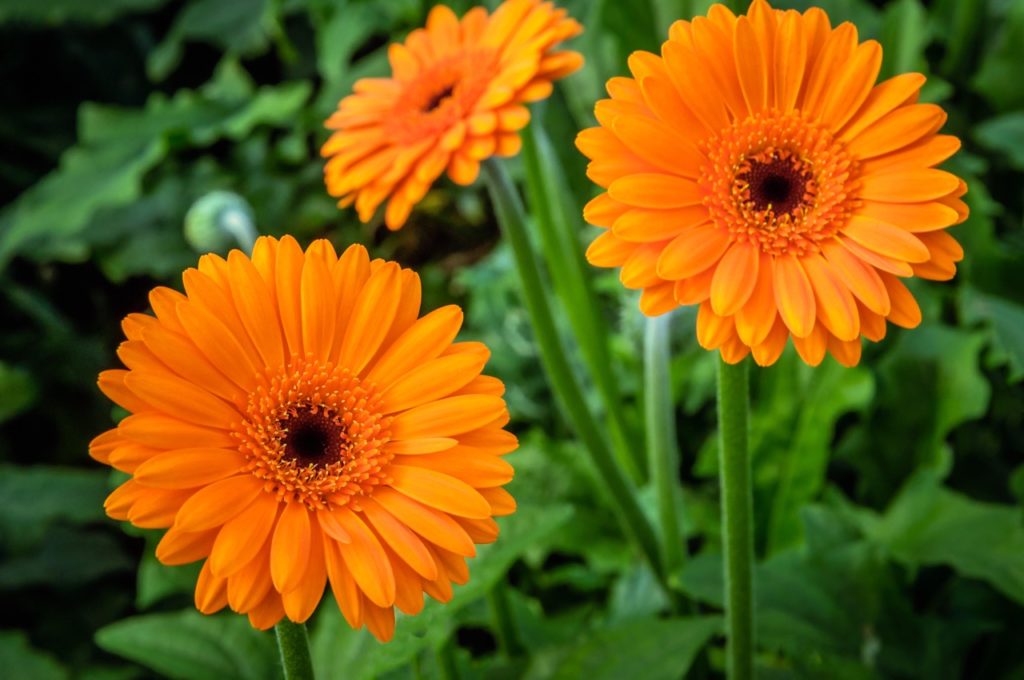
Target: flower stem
{"type": "Point", "coordinates": [504, 625]}
{"type": "Point", "coordinates": [737, 510]}
{"type": "Point", "coordinates": [662, 451]}
{"type": "Point", "coordinates": [563, 382]}
{"type": "Point", "coordinates": [547, 196]}
{"type": "Point", "coordinates": [444, 655]}
{"type": "Point", "coordinates": [293, 643]}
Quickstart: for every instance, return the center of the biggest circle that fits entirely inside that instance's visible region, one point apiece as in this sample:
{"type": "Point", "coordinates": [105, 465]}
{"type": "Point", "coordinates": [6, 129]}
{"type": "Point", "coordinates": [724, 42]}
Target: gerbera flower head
{"type": "Point", "coordinates": [754, 168]}
{"type": "Point", "coordinates": [294, 422]}
{"type": "Point", "coordinates": [456, 96]}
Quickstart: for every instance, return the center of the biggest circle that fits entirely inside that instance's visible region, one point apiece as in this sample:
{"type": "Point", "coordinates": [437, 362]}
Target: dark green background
{"type": "Point", "coordinates": [888, 497]}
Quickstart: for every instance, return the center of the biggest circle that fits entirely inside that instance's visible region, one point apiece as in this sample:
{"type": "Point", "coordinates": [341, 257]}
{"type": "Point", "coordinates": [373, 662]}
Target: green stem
{"type": "Point", "coordinates": [737, 510]}
{"type": "Point", "coordinates": [662, 450]}
{"type": "Point", "coordinates": [444, 655]}
{"type": "Point", "coordinates": [504, 625]}
{"type": "Point", "coordinates": [293, 643]}
{"type": "Point", "coordinates": [547, 196]}
{"type": "Point", "coordinates": [563, 382]}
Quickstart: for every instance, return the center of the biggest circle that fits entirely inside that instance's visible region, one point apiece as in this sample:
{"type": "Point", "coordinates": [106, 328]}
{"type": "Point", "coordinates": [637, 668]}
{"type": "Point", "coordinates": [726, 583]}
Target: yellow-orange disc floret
{"type": "Point", "coordinates": [754, 168]}
{"type": "Point", "coordinates": [456, 96]}
{"type": "Point", "coordinates": [296, 422]}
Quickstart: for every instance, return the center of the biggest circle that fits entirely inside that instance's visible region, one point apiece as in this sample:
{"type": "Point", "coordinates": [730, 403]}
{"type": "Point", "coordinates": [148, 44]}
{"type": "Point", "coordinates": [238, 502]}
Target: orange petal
{"type": "Point", "coordinates": [405, 543]}
{"type": "Point", "coordinates": [446, 417]}
{"type": "Point", "coordinates": [187, 468]}
{"type": "Point", "coordinates": [182, 399]}
{"type": "Point", "coordinates": [694, 289]}
{"type": "Point", "coordinates": [692, 252]}
{"type": "Point", "coordinates": [346, 593]}
{"type": "Point", "coordinates": [794, 295]}
{"type": "Point", "coordinates": [301, 602]}
{"type": "Point", "coordinates": [254, 301]}
{"type": "Point", "coordinates": [713, 330]}
{"type": "Point", "coordinates": [417, 447]}
{"type": "Point", "coordinates": [424, 340]}
{"type": "Point", "coordinates": [886, 239]}
{"type": "Point", "coordinates": [642, 226]}
{"type": "Point", "coordinates": [502, 503]}
{"type": "Point", "coordinates": [655, 190]}
{"type": "Point", "coordinates": [903, 186]}
{"type": "Point", "coordinates": [846, 352]}
{"type": "Point", "coordinates": [242, 537]}
{"type": "Point", "coordinates": [735, 278]}
{"type": "Point", "coordinates": [372, 316]}
{"type": "Point", "coordinates": [883, 98]}
{"type": "Point", "coordinates": [211, 591]}
{"type": "Point", "coordinates": [164, 432]}
{"type": "Point", "coordinates": [659, 144]}
{"type": "Point", "coordinates": [882, 262]}
{"type": "Point", "coordinates": [439, 491]}
{"type": "Point", "coordinates": [812, 347]}
{"type": "Point", "coordinates": [905, 311]}
{"type": "Point", "coordinates": [476, 469]}
{"type": "Point", "coordinates": [836, 307]}
{"type": "Point", "coordinates": [367, 561]}
{"type": "Point", "coordinates": [768, 351]}
{"type": "Point", "coordinates": [862, 279]}
{"type": "Point", "coordinates": [289, 551]}
{"type": "Point", "coordinates": [178, 547]}
{"type": "Point", "coordinates": [898, 129]}
{"type": "Point", "coordinates": [756, 318]}
{"type": "Point", "coordinates": [430, 381]}
{"type": "Point", "coordinates": [217, 503]}
{"type": "Point", "coordinates": [435, 526]}
{"type": "Point", "coordinates": [317, 305]}
{"type": "Point", "coordinates": [251, 582]}
{"type": "Point", "coordinates": [914, 217]}
{"type": "Point", "coordinates": [288, 273]}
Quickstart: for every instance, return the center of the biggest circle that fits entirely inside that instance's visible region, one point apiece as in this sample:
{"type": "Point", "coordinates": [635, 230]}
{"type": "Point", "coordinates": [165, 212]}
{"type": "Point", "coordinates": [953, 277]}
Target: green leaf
{"type": "Point", "coordinates": [801, 462]}
{"type": "Point", "coordinates": [191, 646]}
{"type": "Point", "coordinates": [636, 594]}
{"type": "Point", "coordinates": [238, 27]}
{"type": "Point", "coordinates": [930, 525]}
{"type": "Point", "coordinates": [656, 649]}
{"type": "Point", "coordinates": [998, 77]}
{"type": "Point", "coordinates": [88, 179]}
{"type": "Point", "coordinates": [905, 34]}
{"type": "Point", "coordinates": [1006, 324]}
{"type": "Point", "coordinates": [19, 658]}
{"type": "Point", "coordinates": [340, 36]}
{"type": "Point", "coordinates": [65, 558]}
{"type": "Point", "coordinates": [1004, 136]}
{"type": "Point", "coordinates": [65, 11]}
{"type": "Point", "coordinates": [158, 581]}
{"type": "Point", "coordinates": [33, 499]}
{"type": "Point", "coordinates": [17, 391]}
{"type": "Point", "coordinates": [119, 146]}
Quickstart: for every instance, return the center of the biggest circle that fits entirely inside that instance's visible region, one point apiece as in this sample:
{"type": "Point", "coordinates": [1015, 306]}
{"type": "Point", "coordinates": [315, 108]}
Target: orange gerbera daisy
{"type": "Point", "coordinates": [293, 422]}
{"type": "Point", "coordinates": [755, 169]}
{"type": "Point", "coordinates": [456, 97]}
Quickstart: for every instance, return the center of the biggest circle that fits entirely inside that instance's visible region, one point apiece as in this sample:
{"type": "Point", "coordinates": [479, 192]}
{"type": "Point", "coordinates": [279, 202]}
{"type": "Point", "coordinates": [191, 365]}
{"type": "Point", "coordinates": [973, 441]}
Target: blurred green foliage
{"type": "Point", "coordinates": [888, 497]}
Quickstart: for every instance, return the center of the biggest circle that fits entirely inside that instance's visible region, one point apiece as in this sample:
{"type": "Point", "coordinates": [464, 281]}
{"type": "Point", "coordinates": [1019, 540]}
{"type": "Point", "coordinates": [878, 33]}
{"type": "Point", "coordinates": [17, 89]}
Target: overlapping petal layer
{"type": "Point", "coordinates": [756, 169]}
{"type": "Point", "coordinates": [295, 423]}
{"type": "Point", "coordinates": [456, 96]}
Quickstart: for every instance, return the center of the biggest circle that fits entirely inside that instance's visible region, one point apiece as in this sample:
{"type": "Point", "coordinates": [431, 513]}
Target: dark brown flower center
{"type": "Point", "coordinates": [313, 436]}
{"type": "Point", "coordinates": [437, 98]}
{"type": "Point", "coordinates": [778, 183]}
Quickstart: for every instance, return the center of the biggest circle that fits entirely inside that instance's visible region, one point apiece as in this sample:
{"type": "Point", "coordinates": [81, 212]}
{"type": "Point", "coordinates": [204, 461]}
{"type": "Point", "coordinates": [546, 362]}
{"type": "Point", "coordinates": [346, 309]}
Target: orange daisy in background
{"type": "Point", "coordinates": [754, 168]}
{"type": "Point", "coordinates": [294, 422]}
{"type": "Point", "coordinates": [455, 97]}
